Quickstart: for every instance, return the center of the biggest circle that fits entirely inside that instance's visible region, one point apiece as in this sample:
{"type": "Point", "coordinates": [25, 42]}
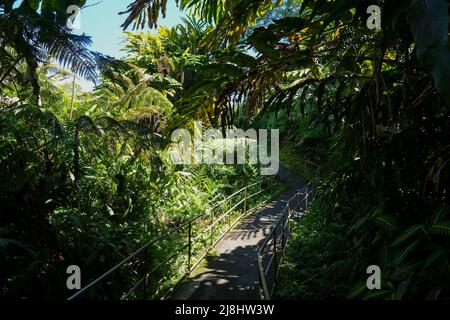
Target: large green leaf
{"type": "Point", "coordinates": [405, 235]}
{"type": "Point", "coordinates": [7, 4]}
{"type": "Point", "coordinates": [441, 228]}
{"type": "Point", "coordinates": [429, 24]}
{"type": "Point", "coordinates": [263, 40]}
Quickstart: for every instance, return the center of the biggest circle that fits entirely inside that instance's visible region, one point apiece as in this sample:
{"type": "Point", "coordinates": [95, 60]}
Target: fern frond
{"type": "Point", "coordinates": [388, 221]}
{"type": "Point", "coordinates": [440, 228]}
{"type": "Point", "coordinates": [406, 251]}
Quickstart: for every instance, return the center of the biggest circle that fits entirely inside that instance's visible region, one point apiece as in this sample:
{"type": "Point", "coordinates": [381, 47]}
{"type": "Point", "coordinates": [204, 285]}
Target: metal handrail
{"type": "Point", "coordinates": [189, 245]}
{"type": "Point", "coordinates": [266, 284]}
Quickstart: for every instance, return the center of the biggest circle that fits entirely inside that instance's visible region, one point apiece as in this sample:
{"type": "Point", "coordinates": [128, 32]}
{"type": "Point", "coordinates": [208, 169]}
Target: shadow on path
{"type": "Point", "coordinates": [233, 272]}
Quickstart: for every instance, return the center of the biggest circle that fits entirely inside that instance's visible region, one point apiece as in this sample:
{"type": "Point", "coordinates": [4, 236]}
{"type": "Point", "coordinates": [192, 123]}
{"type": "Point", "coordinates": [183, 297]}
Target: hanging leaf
{"type": "Point", "coordinates": [441, 228]}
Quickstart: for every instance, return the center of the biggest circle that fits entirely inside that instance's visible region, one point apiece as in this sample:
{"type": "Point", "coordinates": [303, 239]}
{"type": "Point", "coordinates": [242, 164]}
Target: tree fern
{"type": "Point", "coordinates": [407, 234]}
{"type": "Point", "coordinates": [440, 228]}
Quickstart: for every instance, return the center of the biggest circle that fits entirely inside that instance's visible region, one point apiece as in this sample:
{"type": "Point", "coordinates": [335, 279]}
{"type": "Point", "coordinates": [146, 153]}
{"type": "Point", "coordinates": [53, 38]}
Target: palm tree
{"type": "Point", "coordinates": [230, 17]}
{"type": "Point", "coordinates": [134, 92]}
{"type": "Point", "coordinates": [31, 36]}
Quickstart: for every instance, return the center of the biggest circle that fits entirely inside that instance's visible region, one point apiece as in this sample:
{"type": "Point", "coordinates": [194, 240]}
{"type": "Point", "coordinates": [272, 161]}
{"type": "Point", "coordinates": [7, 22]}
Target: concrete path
{"type": "Point", "coordinates": [233, 273]}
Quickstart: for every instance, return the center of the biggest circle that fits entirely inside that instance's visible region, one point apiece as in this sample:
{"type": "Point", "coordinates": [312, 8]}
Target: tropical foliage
{"type": "Point", "coordinates": [362, 113]}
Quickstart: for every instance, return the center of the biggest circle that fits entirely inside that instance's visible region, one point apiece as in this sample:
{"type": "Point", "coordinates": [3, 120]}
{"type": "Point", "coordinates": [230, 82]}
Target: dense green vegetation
{"type": "Point", "coordinates": [363, 113]}
{"type": "Point", "coordinates": [85, 176]}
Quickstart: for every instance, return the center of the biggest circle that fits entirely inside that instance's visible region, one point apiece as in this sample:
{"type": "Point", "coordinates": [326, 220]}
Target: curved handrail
{"type": "Point", "coordinates": [166, 235]}
{"type": "Point", "coordinates": [283, 221]}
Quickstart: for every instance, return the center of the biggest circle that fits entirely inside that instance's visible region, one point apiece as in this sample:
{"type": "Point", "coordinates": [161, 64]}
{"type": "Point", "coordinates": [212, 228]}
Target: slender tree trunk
{"type": "Point", "coordinates": [73, 95]}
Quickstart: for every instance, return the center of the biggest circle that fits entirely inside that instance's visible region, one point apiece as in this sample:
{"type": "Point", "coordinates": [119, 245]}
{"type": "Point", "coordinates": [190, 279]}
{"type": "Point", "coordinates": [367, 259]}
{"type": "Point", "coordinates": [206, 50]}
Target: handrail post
{"type": "Point", "coordinates": [146, 275]}
{"type": "Point", "coordinates": [260, 191]}
{"type": "Point", "coordinates": [283, 225]}
{"type": "Point", "coordinates": [245, 200]}
{"type": "Point", "coordinates": [260, 290]}
{"type": "Point", "coordinates": [212, 230]}
{"type": "Point", "coordinates": [229, 215]}
{"type": "Point", "coordinates": [275, 253]}
{"type": "Point", "coordinates": [263, 283]}
{"type": "Point", "coordinates": [190, 248]}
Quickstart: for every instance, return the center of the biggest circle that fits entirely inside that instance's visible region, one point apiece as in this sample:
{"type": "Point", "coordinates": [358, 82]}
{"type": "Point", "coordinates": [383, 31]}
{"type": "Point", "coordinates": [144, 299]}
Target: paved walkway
{"type": "Point", "coordinates": [233, 272]}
